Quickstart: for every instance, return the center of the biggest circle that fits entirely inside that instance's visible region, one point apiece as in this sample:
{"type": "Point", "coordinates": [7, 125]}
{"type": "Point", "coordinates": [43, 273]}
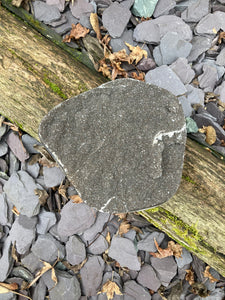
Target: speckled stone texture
{"type": "Point", "coordinates": [121, 144]}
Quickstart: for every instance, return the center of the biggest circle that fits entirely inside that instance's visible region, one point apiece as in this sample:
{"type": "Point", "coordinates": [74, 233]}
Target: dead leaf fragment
{"type": "Point", "coordinates": [210, 133]}
{"type": "Point", "coordinates": [110, 288]}
{"type": "Point", "coordinates": [14, 252]}
{"type": "Point", "coordinates": [172, 249]}
{"type": "Point", "coordinates": [140, 76]}
{"type": "Point", "coordinates": [221, 37]}
{"type": "Point", "coordinates": [108, 237]}
{"type": "Point", "coordinates": [76, 199]}
{"type": "Point", "coordinates": [76, 32]}
{"type": "Point", "coordinates": [46, 159]}
{"type": "Point", "coordinates": [15, 211]}
{"type": "Point", "coordinates": [95, 25]}
{"type": "Point", "coordinates": [209, 275]}
{"type": "Point", "coordinates": [42, 195]}
{"type": "Point", "coordinates": [190, 276]}
{"type": "Point", "coordinates": [124, 227]}
{"type": "Point", "coordinates": [104, 68]}
{"type": "Point", "coordinates": [10, 288]}
{"type": "Point", "coordinates": [136, 53]}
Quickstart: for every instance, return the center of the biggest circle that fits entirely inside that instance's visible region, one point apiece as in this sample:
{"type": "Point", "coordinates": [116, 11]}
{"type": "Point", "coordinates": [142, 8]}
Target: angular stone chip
{"type": "Point", "coordinates": [121, 144]}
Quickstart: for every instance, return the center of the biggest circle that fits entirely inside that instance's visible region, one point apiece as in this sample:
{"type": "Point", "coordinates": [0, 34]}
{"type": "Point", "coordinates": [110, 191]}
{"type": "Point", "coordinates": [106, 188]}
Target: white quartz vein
{"type": "Point", "coordinates": [158, 137]}
{"type": "Point", "coordinates": [106, 204]}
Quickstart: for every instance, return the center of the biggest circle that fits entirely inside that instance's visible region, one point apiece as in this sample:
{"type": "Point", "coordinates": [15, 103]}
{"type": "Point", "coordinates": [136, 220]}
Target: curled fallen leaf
{"type": "Point", "coordinates": [15, 211]}
{"type": "Point", "coordinates": [10, 288]}
{"type": "Point", "coordinates": [104, 68]}
{"type": "Point", "coordinates": [110, 288]}
{"type": "Point", "coordinates": [136, 54]}
{"type": "Point", "coordinates": [221, 37]}
{"type": "Point", "coordinates": [95, 25]}
{"type": "Point", "coordinates": [76, 32]}
{"type": "Point", "coordinates": [209, 275]}
{"type": "Point", "coordinates": [190, 277]}
{"type": "Point", "coordinates": [139, 76]}
{"type": "Point", "coordinates": [42, 195]}
{"type": "Point", "coordinates": [172, 249]}
{"type": "Point", "coordinates": [124, 227]}
{"type": "Point", "coordinates": [210, 133]}
{"type": "Point", "coordinates": [76, 199]}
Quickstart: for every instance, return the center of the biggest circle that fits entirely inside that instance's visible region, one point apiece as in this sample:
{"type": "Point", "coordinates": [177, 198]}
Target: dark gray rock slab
{"type": "Point", "coordinates": [213, 109]}
{"type": "Point", "coordinates": [200, 44]}
{"type": "Point", "coordinates": [97, 227]}
{"type": "Point", "coordinates": [53, 176]}
{"type": "Point", "coordinates": [135, 291]}
{"type": "Point", "coordinates": [163, 7]}
{"type": "Point", "coordinates": [153, 30]}
{"type": "Point", "coordinates": [60, 4]}
{"type": "Point", "coordinates": [81, 7]}
{"type": "Point", "coordinates": [148, 244]}
{"type": "Point", "coordinates": [32, 170]}
{"type": "Point", "coordinates": [91, 275]}
{"type": "Point", "coordinates": [82, 215]}
{"type": "Point", "coordinates": [47, 248]}
{"type": "Point", "coordinates": [209, 77]}
{"type": "Point", "coordinates": [172, 46]}
{"type": "Point", "coordinates": [98, 246]}
{"type": "Point", "coordinates": [185, 258]}
{"type": "Point", "coordinates": [183, 70]}
{"type": "Point", "coordinates": [147, 277]}
{"type": "Point", "coordinates": [23, 233]}
{"type": "Point", "coordinates": [166, 268]}
{"type": "Point", "coordinates": [165, 78]}
{"type": "Point", "coordinates": [46, 220]}
{"type": "Point", "coordinates": [29, 142]}
{"type": "Point", "coordinates": [3, 148]}
{"type": "Point", "coordinates": [31, 262]}
{"type": "Point", "coordinates": [3, 165]}
{"type": "Point", "coordinates": [118, 150]}
{"type": "Point", "coordinates": [6, 260]}
{"type": "Point", "coordinates": [3, 130]}
{"type": "Point", "coordinates": [196, 11]}
{"type": "Point", "coordinates": [118, 44]}
{"type": "Point", "coordinates": [124, 251]}
{"type": "Point", "coordinates": [143, 8]}
{"type": "Point", "coordinates": [220, 60]}
{"type": "Point", "coordinates": [146, 64]}
{"type": "Point", "coordinates": [3, 210]}
{"type": "Point", "coordinates": [115, 19]}
{"type": "Point", "coordinates": [195, 95]}
{"type": "Point", "coordinates": [211, 23]}
{"type": "Point", "coordinates": [220, 90]}
{"type": "Point", "coordinates": [20, 191]}
{"type": "Point", "coordinates": [75, 250]}
{"type": "Point", "coordinates": [14, 163]}
{"type": "Point", "coordinates": [16, 146]}
{"type": "Point", "coordinates": [39, 290]}
{"type": "Point", "coordinates": [68, 286]}
{"type": "Point", "coordinates": [45, 13]}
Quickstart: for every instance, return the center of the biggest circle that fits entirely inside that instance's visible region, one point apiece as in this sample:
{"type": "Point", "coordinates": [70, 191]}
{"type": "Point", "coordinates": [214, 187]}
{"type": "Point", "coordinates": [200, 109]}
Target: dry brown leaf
{"type": "Point", "coordinates": [76, 32]}
{"type": "Point", "coordinates": [108, 237]}
{"type": "Point", "coordinates": [221, 37]}
{"type": "Point", "coordinates": [137, 229]}
{"type": "Point", "coordinates": [63, 189]}
{"type": "Point", "coordinates": [15, 211]}
{"type": "Point", "coordinates": [140, 76]}
{"type": "Point", "coordinates": [118, 71]}
{"type": "Point", "coordinates": [110, 288]}
{"type": "Point", "coordinates": [209, 275]}
{"type": "Point", "coordinates": [14, 252]}
{"type": "Point", "coordinates": [190, 276]}
{"type": "Point", "coordinates": [124, 227]}
{"type": "Point", "coordinates": [121, 216]}
{"type": "Point", "coordinates": [136, 53]}
{"type": "Point", "coordinates": [95, 25]}
{"type": "Point", "coordinates": [12, 126]}
{"type": "Point", "coordinates": [76, 199]}
{"type": "Point", "coordinates": [42, 195]}
{"type": "Point", "coordinates": [1, 120]}
{"type": "Point", "coordinates": [172, 249]}
{"type": "Point", "coordinates": [105, 70]}
{"type": "Point", "coordinates": [75, 268]}
{"type": "Point", "coordinates": [10, 288]}
{"type": "Point", "coordinates": [210, 133]}
{"type": "Point", "coordinates": [46, 160]}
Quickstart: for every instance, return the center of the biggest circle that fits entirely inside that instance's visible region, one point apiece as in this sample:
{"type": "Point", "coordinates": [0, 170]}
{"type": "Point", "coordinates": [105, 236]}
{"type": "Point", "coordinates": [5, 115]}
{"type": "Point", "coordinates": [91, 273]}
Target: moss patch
{"type": "Point", "coordinates": [54, 87]}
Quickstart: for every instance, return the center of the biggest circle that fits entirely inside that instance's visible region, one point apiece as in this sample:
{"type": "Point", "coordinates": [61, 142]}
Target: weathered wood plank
{"type": "Point", "coordinates": [36, 74]}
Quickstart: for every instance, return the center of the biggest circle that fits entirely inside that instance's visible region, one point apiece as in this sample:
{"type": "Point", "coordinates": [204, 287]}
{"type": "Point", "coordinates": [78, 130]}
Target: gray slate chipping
{"type": "Point", "coordinates": [113, 149]}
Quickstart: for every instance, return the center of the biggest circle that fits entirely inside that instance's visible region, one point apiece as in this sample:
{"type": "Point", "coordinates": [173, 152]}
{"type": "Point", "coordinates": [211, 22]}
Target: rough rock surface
{"type": "Point", "coordinates": [121, 147]}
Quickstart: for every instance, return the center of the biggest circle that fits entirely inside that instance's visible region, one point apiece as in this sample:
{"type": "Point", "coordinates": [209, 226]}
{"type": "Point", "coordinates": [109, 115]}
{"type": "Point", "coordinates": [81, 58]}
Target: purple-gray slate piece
{"type": "Point", "coordinates": [121, 144]}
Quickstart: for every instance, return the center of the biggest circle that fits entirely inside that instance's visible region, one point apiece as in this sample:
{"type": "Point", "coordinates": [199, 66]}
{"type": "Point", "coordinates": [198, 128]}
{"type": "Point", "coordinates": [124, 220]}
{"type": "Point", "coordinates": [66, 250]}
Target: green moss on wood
{"type": "Point", "coordinates": [54, 87]}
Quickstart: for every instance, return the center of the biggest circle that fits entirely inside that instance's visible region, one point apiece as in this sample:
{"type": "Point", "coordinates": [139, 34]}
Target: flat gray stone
{"type": "Point", "coordinates": [220, 60]}
{"type": "Point", "coordinates": [166, 268]}
{"type": "Point", "coordinates": [46, 220]}
{"type": "Point", "coordinates": [16, 146]}
{"type": "Point", "coordinates": [146, 64]}
{"type": "Point", "coordinates": [75, 250]}
{"type": "Point", "coordinates": [81, 7]}
{"type": "Point", "coordinates": [209, 77]}
{"type": "Point", "coordinates": [112, 151]}
{"type": "Point", "coordinates": [45, 13]}
{"type": "Point", "coordinates": [148, 244]}
{"type": "Point", "coordinates": [171, 47]}
{"type": "Point", "coordinates": [3, 165]}
{"type": "Point", "coordinates": [98, 246]}
{"type": "Point", "coordinates": [214, 110]}
{"type": "Point", "coordinates": [32, 170]}
{"type": "Point", "coordinates": [135, 291]}
{"type": "Point", "coordinates": [3, 148]}
{"type": "Point", "coordinates": [220, 90]}
{"type": "Point", "coordinates": [29, 142]}
{"type": "Point", "coordinates": [195, 95]}
{"type": "Point", "coordinates": [3, 130]}
{"type": "Point", "coordinates": [47, 248]}
{"type": "Point", "coordinates": [23, 233]}
{"type": "Point", "coordinates": [6, 260]}
{"type": "Point", "coordinates": [3, 210]}
{"type": "Point", "coordinates": [123, 251]}
{"type": "Point", "coordinates": [165, 78]}
{"type": "Point", "coordinates": [144, 8]}
{"type": "Point", "coordinates": [31, 262]}
{"type": "Point", "coordinates": [68, 286]}
{"type": "Point", "coordinates": [60, 4]}
{"type": "Point", "coordinates": [39, 290]}
{"type": "Point", "coordinates": [147, 277]}
{"type": "Point", "coordinates": [91, 275]}
{"type": "Point", "coordinates": [210, 23]}
{"type": "Point", "coordinates": [200, 44]}
{"type": "Point", "coordinates": [163, 7]}
{"type": "Point", "coordinates": [20, 191]}
{"type": "Point", "coordinates": [115, 19]}
{"type": "Point", "coordinates": [153, 30]}
{"type": "Point", "coordinates": [53, 176]}
{"type": "Point", "coordinates": [118, 44]}
{"type": "Point", "coordinates": [82, 215]}
{"type": "Point", "coordinates": [185, 258]}
{"type": "Point", "coordinates": [196, 11]}
{"type": "Point", "coordinates": [183, 70]}
{"type": "Point", "coordinates": [14, 163]}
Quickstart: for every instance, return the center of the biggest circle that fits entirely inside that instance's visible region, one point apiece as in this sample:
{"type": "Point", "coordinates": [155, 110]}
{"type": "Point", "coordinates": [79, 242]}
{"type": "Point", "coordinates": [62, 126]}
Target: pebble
{"type": "Point", "coordinates": [3, 148]}
{"type": "Point", "coordinates": [209, 77]}
{"type": "Point", "coordinates": [211, 23]}
{"type": "Point", "coordinates": [148, 243]}
{"type": "Point", "coordinates": [135, 291]}
{"type": "Point", "coordinates": [3, 210]}
{"type": "Point", "coordinates": [144, 8]}
{"type": "Point", "coordinates": [185, 258]}
{"type": "Point", "coordinates": [82, 215]}
{"type": "Point", "coordinates": [53, 176]}
{"type": "Point", "coordinates": [148, 278]}
{"type": "Point", "coordinates": [123, 251]}
{"type": "Point", "coordinates": [60, 4]}
{"type": "Point", "coordinates": [183, 70]}
{"type": "Point", "coordinates": [115, 19]}
{"type": "Point", "coordinates": [46, 13]}
{"type": "Point", "coordinates": [163, 7]}
{"type": "Point", "coordinates": [196, 11]}
{"type": "Point", "coordinates": [75, 250]}
{"type": "Point", "coordinates": [81, 7]}
{"type": "Point", "coordinates": [20, 191]}
{"type": "Point", "coordinates": [29, 142]}
{"type": "Point", "coordinates": [98, 245]}
{"type": "Point", "coordinates": [200, 44]}
{"type": "Point", "coordinates": [91, 275]}
{"type": "Point", "coordinates": [46, 220]}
